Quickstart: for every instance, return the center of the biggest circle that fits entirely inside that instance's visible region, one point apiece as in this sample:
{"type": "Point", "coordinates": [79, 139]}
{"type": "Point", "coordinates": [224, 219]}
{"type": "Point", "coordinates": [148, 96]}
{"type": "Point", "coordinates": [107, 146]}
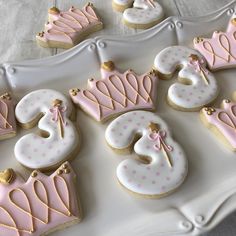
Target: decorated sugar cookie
{"type": "Point", "coordinates": [58, 139]}
{"type": "Point", "coordinates": [162, 165]}
{"type": "Point", "coordinates": [116, 93]}
{"type": "Point", "coordinates": [7, 117]}
{"type": "Point", "coordinates": [121, 5]}
{"type": "Point", "coordinates": [219, 50]}
{"type": "Point", "coordinates": [66, 29]}
{"type": "Point", "coordinates": [196, 86]}
{"type": "Point", "coordinates": [222, 122]}
{"type": "Point", "coordinates": [39, 206]}
{"type": "Point", "coordinates": [143, 15]}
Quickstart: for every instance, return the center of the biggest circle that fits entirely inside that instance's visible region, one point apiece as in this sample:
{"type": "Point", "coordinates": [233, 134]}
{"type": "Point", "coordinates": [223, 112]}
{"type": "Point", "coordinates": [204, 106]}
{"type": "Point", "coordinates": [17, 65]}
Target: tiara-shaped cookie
{"type": "Point", "coordinates": [7, 117]}
{"type": "Point", "coordinates": [40, 205]}
{"type": "Point", "coordinates": [224, 120]}
{"type": "Point", "coordinates": [116, 93]}
{"type": "Point", "coordinates": [66, 29]}
{"type": "Point", "coordinates": [219, 50]}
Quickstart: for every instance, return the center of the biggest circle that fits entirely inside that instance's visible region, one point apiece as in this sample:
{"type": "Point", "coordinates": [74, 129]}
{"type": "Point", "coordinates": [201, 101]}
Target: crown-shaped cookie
{"type": "Point", "coordinates": [222, 121]}
{"type": "Point", "coordinates": [66, 29]}
{"type": "Point", "coordinates": [41, 205]}
{"type": "Point", "coordinates": [116, 93]}
{"type": "Point", "coordinates": [7, 117]}
{"type": "Point", "coordinates": [220, 50]}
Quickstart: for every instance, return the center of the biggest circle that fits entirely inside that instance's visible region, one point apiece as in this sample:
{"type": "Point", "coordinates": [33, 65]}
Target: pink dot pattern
{"type": "Point", "coordinates": [197, 93]}
{"type": "Point", "coordinates": [156, 177]}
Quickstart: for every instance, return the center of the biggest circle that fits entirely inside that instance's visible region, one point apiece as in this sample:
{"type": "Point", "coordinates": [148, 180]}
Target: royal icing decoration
{"type": "Point", "coordinates": [39, 206]}
{"type": "Point", "coordinates": [116, 93]}
{"type": "Point", "coordinates": [144, 12]}
{"type": "Point", "coordinates": [162, 166]}
{"type": "Point", "coordinates": [223, 119]}
{"type": "Point", "coordinates": [196, 87]}
{"type": "Point", "coordinates": [219, 50]}
{"type": "Point", "coordinates": [58, 139]}
{"type": "Point", "coordinates": [7, 117]}
{"type": "Point", "coordinates": [66, 29]}
{"type": "Point", "coordinates": [121, 5]}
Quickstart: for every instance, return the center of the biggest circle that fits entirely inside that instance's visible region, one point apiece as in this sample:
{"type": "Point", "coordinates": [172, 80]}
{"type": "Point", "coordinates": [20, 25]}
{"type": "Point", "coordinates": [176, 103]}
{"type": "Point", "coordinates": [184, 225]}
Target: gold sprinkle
{"type": "Point", "coordinates": [198, 40]}
{"type": "Point", "coordinates": [67, 171]}
{"type": "Point", "coordinates": [59, 172]}
{"type": "Point", "coordinates": [34, 174]}
{"type": "Point", "coordinates": [233, 21]}
{"type": "Point", "coordinates": [209, 113]}
{"type": "Point", "coordinates": [54, 10]}
{"type": "Point", "coordinates": [64, 166]}
{"type": "Point", "coordinates": [227, 101]}
{"type": "Point", "coordinates": [108, 66]}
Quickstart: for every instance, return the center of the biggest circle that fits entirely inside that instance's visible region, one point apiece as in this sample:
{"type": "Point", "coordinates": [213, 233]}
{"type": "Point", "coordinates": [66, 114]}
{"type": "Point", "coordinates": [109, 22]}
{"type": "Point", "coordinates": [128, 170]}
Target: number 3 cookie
{"type": "Point", "coordinates": [196, 87]}
{"type": "Point", "coordinates": [222, 122]}
{"type": "Point", "coordinates": [58, 139]}
{"type": "Point", "coordinates": [143, 15]}
{"type": "Point", "coordinates": [162, 166]}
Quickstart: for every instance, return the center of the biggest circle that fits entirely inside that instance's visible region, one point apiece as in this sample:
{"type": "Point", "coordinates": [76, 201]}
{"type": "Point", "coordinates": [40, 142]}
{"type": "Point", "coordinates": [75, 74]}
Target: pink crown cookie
{"type": "Point", "coordinates": [116, 93]}
{"type": "Point", "coordinates": [66, 29]}
{"type": "Point", "coordinates": [39, 206]}
{"type": "Point", "coordinates": [219, 50]}
{"type": "Point", "coordinates": [7, 117]}
{"type": "Point", "coordinates": [222, 122]}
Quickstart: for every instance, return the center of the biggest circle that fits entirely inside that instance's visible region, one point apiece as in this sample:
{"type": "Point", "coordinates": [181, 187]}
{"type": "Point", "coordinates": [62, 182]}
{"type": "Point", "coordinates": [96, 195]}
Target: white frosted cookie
{"type": "Point", "coordinates": [162, 165]}
{"type": "Point", "coordinates": [58, 139]}
{"type": "Point", "coordinates": [144, 14]}
{"type": "Point", "coordinates": [121, 5]}
{"type": "Point", "coordinates": [196, 87]}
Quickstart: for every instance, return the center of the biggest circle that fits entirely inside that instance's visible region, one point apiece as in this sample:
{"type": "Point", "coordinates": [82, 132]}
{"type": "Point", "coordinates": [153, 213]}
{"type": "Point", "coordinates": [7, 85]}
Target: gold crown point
{"type": "Point", "coordinates": [54, 11]}
{"type": "Point", "coordinates": [7, 176]}
{"type": "Point", "coordinates": [233, 21]}
{"type": "Point", "coordinates": [197, 40]}
{"type": "Point", "coordinates": [108, 66]}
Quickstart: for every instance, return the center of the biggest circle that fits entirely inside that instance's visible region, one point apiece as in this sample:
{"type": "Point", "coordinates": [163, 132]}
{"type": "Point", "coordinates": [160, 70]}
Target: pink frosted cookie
{"type": "Point", "coordinates": [57, 139]}
{"type": "Point", "coordinates": [39, 206]}
{"type": "Point", "coordinates": [222, 122]}
{"type": "Point", "coordinates": [196, 86]}
{"type": "Point", "coordinates": [116, 93]}
{"type": "Point", "coordinates": [66, 29]}
{"type": "Point", "coordinates": [7, 117]}
{"type": "Point", "coordinates": [220, 50]}
{"type": "Point", "coordinates": [162, 165]}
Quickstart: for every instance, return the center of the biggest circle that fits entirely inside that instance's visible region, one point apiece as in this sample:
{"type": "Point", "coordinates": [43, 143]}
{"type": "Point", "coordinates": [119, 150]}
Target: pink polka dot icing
{"type": "Point", "coordinates": [167, 159]}
{"type": "Point", "coordinates": [52, 150]}
{"type": "Point", "coordinates": [144, 12]}
{"type": "Point", "coordinates": [199, 86]}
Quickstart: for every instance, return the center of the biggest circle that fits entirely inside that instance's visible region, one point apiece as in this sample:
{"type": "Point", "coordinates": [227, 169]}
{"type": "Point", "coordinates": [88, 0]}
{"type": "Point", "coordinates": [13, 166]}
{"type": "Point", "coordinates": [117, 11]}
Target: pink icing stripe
{"type": "Point", "coordinates": [38, 205]}
{"type": "Point", "coordinates": [116, 93]}
{"type": "Point", "coordinates": [224, 119]}
{"type": "Point", "coordinates": [219, 50]}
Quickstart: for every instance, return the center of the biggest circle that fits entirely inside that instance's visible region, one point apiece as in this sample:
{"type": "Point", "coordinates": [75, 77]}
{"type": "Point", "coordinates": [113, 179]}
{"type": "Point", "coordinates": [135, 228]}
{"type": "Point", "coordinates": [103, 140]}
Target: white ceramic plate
{"type": "Point", "coordinates": [208, 194]}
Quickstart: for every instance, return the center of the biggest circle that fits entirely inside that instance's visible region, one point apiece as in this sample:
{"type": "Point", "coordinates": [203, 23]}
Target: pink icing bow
{"type": "Point", "coordinates": [198, 65]}
{"type": "Point", "coordinates": [159, 137]}
{"type": "Point", "coordinates": [57, 113]}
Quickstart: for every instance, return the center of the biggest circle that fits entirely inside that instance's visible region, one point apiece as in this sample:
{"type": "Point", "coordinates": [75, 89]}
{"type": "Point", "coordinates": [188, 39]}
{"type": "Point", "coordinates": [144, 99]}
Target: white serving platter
{"type": "Point", "coordinates": [208, 194]}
